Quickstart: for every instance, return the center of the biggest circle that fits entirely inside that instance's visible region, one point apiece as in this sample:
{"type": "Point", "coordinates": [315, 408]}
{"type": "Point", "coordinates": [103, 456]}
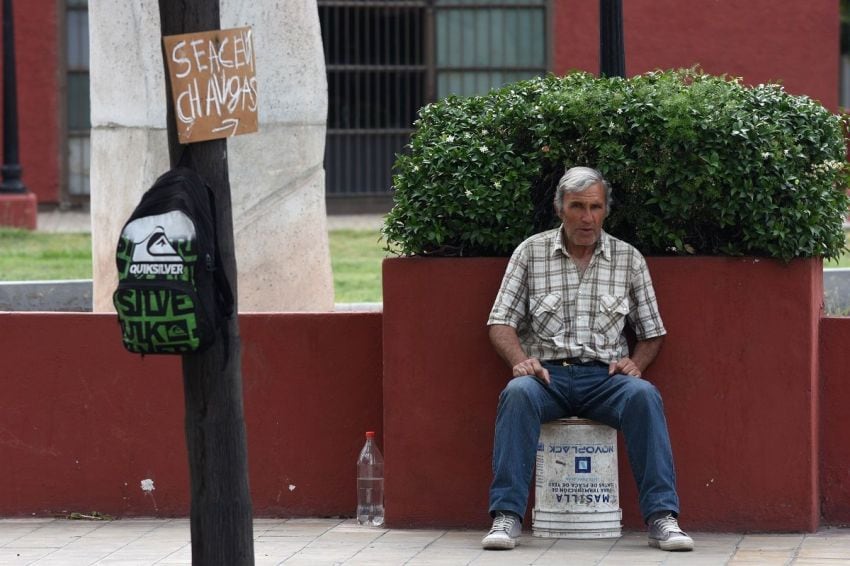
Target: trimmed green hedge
{"type": "Point", "coordinates": [699, 164]}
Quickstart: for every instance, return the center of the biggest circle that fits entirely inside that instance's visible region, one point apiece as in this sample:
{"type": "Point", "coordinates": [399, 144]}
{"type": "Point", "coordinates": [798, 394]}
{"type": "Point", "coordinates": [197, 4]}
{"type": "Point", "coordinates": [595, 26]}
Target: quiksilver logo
{"type": "Point", "coordinates": [155, 255]}
{"type": "Point", "coordinates": [156, 269]}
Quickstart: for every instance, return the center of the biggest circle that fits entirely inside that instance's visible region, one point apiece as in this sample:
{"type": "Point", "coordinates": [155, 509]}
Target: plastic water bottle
{"type": "Point", "coordinates": [370, 484]}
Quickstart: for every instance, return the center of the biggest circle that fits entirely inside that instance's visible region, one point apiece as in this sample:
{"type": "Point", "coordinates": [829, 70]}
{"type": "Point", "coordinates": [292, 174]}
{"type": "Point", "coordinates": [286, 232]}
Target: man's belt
{"type": "Point", "coordinates": [574, 362]}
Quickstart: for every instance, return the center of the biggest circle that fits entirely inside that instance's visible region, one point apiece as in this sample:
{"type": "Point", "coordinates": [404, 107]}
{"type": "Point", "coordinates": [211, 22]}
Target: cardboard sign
{"type": "Point", "coordinates": [213, 83]}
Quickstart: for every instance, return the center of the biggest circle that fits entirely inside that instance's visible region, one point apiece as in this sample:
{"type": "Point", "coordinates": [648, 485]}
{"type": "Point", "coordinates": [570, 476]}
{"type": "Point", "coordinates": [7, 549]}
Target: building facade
{"type": "Point", "coordinates": [387, 58]}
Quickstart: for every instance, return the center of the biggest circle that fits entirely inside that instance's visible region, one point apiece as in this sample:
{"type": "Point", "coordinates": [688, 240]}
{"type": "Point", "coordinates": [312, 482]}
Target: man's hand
{"type": "Point", "coordinates": [506, 343]}
{"type": "Point", "coordinates": [645, 351]}
{"type": "Point", "coordinates": [625, 366]}
{"type": "Point", "coordinates": [532, 366]}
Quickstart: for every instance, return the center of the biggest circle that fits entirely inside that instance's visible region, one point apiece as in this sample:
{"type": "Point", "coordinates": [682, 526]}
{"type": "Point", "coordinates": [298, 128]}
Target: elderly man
{"type": "Point", "coordinates": [558, 322]}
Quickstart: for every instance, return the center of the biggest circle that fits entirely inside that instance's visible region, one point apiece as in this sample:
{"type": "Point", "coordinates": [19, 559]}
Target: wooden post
{"type": "Point", "coordinates": [221, 520]}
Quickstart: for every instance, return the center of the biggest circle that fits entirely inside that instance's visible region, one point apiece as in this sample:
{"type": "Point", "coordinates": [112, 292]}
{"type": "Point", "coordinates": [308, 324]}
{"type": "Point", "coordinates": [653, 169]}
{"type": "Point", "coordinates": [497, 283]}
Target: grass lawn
{"type": "Point", "coordinates": [29, 256]}
{"type": "Point", "coordinates": [356, 257]}
{"type": "Point", "coordinates": [32, 256]}
{"type": "Point", "coordinates": [844, 260]}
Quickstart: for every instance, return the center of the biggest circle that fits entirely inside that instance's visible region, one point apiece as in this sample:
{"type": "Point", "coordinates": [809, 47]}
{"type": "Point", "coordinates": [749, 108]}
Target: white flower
{"type": "Point", "coordinates": [468, 193]}
{"type": "Point", "coordinates": [483, 149]}
{"type": "Point", "coordinates": [450, 138]}
{"type": "Point", "coordinates": [765, 154]}
{"type": "Point", "coordinates": [497, 184]}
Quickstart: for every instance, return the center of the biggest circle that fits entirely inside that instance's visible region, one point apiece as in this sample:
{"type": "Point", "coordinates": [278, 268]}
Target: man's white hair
{"type": "Point", "coordinates": [577, 180]}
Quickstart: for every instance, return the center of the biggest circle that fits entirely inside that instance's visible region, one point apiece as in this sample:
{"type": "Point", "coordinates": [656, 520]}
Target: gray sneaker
{"type": "Point", "coordinates": [504, 534]}
{"type": "Point", "coordinates": [664, 533]}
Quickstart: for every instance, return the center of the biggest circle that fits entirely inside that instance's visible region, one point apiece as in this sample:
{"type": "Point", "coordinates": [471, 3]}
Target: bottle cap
{"type": "Point", "coordinates": [370, 434]}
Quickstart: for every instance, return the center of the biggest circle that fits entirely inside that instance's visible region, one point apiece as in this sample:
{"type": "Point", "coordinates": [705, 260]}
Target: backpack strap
{"type": "Point", "coordinates": [185, 157]}
{"type": "Point", "coordinates": [225, 292]}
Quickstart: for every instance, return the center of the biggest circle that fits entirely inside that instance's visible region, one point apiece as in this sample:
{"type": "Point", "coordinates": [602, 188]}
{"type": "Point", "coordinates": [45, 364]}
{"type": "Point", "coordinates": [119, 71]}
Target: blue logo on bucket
{"type": "Point", "coordinates": [582, 464]}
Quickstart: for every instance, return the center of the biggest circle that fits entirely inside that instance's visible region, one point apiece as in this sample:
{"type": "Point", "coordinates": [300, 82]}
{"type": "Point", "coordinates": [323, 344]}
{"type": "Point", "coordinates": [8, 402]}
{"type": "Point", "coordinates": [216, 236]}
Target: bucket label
{"type": "Point", "coordinates": [577, 469]}
{"type": "Point", "coordinates": [582, 493]}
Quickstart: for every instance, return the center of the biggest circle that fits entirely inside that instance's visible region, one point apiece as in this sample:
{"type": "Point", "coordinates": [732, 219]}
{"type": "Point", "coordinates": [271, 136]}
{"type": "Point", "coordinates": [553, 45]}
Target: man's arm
{"type": "Point", "coordinates": [506, 343]}
{"type": "Point", "coordinates": [644, 354]}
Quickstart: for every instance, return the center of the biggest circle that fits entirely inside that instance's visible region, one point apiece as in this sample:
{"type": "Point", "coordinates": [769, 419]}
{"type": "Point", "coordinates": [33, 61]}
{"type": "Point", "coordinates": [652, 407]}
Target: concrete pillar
{"type": "Point", "coordinates": [276, 174]}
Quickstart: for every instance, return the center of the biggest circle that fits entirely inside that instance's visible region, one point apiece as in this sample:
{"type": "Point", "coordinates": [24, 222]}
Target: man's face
{"type": "Point", "coordinates": [582, 215]}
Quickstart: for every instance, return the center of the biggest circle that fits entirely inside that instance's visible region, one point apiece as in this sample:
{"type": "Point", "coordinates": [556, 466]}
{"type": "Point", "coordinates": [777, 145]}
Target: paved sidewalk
{"type": "Point", "coordinates": [143, 542]}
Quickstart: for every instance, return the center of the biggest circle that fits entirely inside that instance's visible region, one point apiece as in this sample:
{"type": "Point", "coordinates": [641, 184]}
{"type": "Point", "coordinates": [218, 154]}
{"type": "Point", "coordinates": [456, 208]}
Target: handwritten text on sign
{"type": "Point", "coordinates": [213, 83]}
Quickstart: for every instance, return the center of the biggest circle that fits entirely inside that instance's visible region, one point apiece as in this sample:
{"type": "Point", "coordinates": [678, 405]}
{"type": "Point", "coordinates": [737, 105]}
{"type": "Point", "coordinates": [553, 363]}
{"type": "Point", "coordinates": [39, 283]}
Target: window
{"type": "Point", "coordinates": [375, 60]}
{"type": "Point", "coordinates": [483, 45]}
{"type": "Point", "coordinates": [78, 153]}
{"type": "Point", "coordinates": [385, 59]}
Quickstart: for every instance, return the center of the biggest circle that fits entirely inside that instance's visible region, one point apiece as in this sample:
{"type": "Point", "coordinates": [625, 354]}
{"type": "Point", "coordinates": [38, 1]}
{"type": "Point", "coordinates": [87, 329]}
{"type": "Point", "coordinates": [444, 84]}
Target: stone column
{"type": "Point", "coordinates": [276, 175]}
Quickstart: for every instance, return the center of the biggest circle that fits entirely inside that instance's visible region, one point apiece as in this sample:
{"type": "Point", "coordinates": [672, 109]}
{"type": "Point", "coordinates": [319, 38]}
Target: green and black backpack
{"type": "Point", "coordinates": [172, 295]}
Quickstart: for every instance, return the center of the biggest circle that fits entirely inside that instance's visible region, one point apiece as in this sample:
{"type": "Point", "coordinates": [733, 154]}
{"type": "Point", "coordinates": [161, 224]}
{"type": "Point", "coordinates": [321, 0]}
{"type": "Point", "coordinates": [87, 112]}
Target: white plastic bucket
{"type": "Point", "coordinates": [577, 492]}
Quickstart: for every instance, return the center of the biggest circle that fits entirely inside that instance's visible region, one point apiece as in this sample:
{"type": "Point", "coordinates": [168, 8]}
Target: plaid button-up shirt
{"type": "Point", "coordinates": [560, 313]}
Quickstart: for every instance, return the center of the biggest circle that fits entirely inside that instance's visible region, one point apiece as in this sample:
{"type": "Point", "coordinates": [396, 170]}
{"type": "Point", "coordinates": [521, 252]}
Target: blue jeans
{"type": "Point", "coordinates": [629, 404]}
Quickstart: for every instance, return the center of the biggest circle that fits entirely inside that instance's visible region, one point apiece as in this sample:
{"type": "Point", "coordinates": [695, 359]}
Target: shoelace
{"type": "Point", "coordinates": [502, 523]}
{"type": "Point", "coordinates": [668, 524]}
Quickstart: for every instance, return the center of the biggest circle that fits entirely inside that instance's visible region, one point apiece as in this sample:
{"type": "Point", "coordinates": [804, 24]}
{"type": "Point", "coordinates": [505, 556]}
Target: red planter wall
{"type": "Point", "coordinates": [835, 420]}
{"type": "Point", "coordinates": [82, 422]}
{"type": "Point", "coordinates": [737, 373]}
{"type": "Point", "coordinates": [739, 376]}
{"type": "Point", "coordinates": [441, 384]}
{"type": "Point", "coordinates": [795, 43]}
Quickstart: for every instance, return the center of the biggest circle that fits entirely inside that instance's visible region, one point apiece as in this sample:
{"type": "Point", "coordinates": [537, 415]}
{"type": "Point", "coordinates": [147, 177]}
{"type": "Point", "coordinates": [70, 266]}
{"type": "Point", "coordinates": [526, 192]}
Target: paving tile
{"type": "Point", "coordinates": [696, 560]}
{"type": "Point", "coordinates": [335, 536]}
{"type": "Point", "coordinates": [411, 536]}
{"type": "Point", "coordinates": [832, 553]}
{"type": "Point", "coordinates": [766, 557]}
{"type": "Point", "coordinates": [395, 556]}
{"type": "Point", "coordinates": [562, 559]}
{"type": "Point", "coordinates": [121, 562]}
{"type": "Point", "coordinates": [14, 556]}
{"type": "Point", "coordinates": [771, 542]}
{"type": "Point", "coordinates": [441, 560]}
{"type": "Point", "coordinates": [166, 542]}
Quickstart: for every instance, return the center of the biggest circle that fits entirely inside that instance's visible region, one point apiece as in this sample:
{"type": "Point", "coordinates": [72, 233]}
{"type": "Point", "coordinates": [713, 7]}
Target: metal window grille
{"type": "Point", "coordinates": [77, 105]}
{"type": "Point", "coordinates": [387, 58]}
{"type": "Point", "coordinates": [375, 60]}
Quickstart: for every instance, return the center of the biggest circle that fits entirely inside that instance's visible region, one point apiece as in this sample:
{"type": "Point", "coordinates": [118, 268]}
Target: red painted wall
{"type": "Point", "coordinates": [792, 42]}
{"type": "Point", "coordinates": [835, 421]}
{"type": "Point", "coordinates": [441, 384]}
{"type": "Point", "coordinates": [39, 72]}
{"type": "Point", "coordinates": [739, 377]}
{"type": "Point", "coordinates": [737, 374]}
{"type": "Point", "coordinates": [82, 422]}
